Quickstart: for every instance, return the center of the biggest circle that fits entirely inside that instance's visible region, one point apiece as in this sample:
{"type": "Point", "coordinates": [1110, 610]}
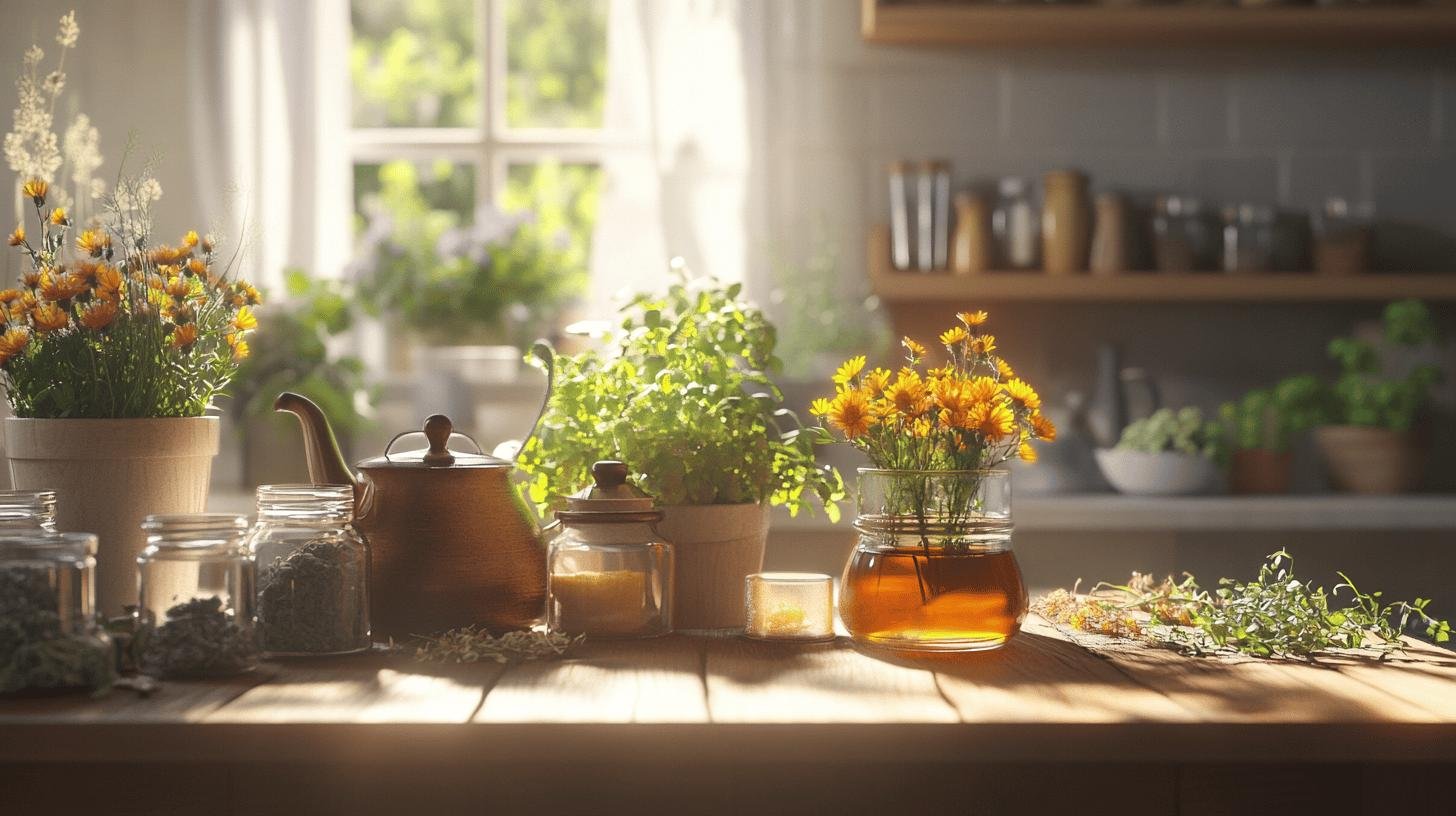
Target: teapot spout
{"type": "Point", "coordinates": [325, 462]}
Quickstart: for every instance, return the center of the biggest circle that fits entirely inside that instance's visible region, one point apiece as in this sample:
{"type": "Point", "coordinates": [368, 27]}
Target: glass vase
{"type": "Point", "coordinates": [933, 570]}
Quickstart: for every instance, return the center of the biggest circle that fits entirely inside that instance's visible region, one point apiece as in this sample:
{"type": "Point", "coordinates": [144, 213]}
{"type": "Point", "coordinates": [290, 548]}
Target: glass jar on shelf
{"type": "Point", "coordinates": [1185, 238]}
{"type": "Point", "coordinates": [313, 566]}
{"type": "Point", "coordinates": [49, 637]}
{"type": "Point", "coordinates": [196, 607]}
{"type": "Point", "coordinates": [1342, 237]}
{"type": "Point", "coordinates": [22, 510]}
{"type": "Point", "coordinates": [609, 570]}
{"type": "Point", "coordinates": [1248, 239]}
{"type": "Point", "coordinates": [1016, 225]}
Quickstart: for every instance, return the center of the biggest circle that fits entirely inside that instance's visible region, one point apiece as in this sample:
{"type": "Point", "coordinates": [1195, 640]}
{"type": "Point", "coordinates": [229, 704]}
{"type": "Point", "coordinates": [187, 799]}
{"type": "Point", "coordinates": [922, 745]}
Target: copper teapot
{"type": "Point", "coordinates": [451, 541]}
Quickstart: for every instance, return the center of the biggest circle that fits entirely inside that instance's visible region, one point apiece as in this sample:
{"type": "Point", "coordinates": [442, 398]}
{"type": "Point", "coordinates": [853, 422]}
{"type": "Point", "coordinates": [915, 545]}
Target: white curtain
{"type": "Point", "coordinates": [271, 83]}
{"type": "Point", "coordinates": [682, 80]}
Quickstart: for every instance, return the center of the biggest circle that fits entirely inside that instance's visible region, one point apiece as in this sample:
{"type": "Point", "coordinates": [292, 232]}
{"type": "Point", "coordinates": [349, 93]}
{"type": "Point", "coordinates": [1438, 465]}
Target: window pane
{"type": "Point", "coordinates": [412, 201]}
{"type": "Point", "coordinates": [563, 199]}
{"type": "Point", "coordinates": [556, 63]}
{"type": "Point", "coordinates": [414, 63]}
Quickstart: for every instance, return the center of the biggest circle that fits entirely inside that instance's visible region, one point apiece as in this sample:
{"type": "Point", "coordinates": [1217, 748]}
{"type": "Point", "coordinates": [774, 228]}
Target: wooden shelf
{"type": "Point", "coordinates": [893, 286]}
{"type": "Point", "coordinates": [1162, 26]}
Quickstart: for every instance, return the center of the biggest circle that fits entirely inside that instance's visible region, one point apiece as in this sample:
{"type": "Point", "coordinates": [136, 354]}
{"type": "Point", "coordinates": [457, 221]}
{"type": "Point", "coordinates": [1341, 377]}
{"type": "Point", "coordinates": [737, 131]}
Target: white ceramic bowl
{"type": "Point", "coordinates": [1158, 474]}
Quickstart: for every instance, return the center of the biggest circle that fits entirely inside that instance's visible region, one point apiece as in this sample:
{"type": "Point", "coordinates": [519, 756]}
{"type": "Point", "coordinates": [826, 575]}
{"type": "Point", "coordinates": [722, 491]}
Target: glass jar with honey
{"type": "Point", "coordinates": [933, 570]}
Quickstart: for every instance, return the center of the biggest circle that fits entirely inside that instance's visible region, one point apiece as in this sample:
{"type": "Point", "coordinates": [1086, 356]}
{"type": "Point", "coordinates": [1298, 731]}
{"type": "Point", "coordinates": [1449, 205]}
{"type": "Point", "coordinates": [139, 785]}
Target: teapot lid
{"type": "Point", "coordinates": [438, 431]}
{"type": "Point", "coordinates": [610, 494]}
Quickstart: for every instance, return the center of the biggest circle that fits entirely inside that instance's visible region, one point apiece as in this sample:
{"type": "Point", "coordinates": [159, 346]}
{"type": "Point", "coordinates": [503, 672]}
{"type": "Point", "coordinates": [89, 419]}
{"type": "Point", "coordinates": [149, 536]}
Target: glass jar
{"type": "Point", "coordinates": [196, 595]}
{"type": "Point", "coordinates": [933, 570]}
{"type": "Point", "coordinates": [48, 632]}
{"type": "Point", "coordinates": [609, 570]}
{"type": "Point", "coordinates": [1342, 238]}
{"type": "Point", "coordinates": [1185, 239]}
{"type": "Point", "coordinates": [24, 510]}
{"type": "Point", "coordinates": [1248, 239]}
{"type": "Point", "coordinates": [313, 568]}
{"type": "Point", "coordinates": [1015, 223]}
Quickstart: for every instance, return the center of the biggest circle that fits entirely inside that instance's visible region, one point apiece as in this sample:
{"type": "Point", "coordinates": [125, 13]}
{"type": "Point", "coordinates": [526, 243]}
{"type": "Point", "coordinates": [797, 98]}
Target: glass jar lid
{"type": "Point", "coordinates": [610, 498]}
{"type": "Point", "coordinates": [49, 548]}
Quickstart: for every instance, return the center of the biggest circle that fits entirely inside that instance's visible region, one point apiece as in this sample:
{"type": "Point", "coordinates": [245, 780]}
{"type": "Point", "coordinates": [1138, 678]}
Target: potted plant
{"type": "Point", "coordinates": [1373, 442]}
{"type": "Point", "coordinates": [292, 354]}
{"type": "Point", "coordinates": [680, 391]}
{"type": "Point", "coordinates": [1260, 427]}
{"type": "Point", "coordinates": [1168, 453]}
{"type": "Point", "coordinates": [113, 346]}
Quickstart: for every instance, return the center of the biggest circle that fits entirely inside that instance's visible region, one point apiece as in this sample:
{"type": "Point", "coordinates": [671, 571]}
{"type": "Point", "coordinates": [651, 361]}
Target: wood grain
{"type": "Point", "coordinates": [651, 681]}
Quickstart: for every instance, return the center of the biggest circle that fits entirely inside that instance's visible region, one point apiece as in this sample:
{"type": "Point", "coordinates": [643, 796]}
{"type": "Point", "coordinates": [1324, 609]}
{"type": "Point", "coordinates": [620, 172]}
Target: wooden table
{"type": "Point", "coordinates": [684, 725]}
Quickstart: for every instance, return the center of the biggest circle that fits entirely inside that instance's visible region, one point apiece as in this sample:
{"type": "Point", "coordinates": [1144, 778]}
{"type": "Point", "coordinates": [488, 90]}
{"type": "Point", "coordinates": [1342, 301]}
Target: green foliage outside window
{"type": "Point", "coordinates": [414, 63]}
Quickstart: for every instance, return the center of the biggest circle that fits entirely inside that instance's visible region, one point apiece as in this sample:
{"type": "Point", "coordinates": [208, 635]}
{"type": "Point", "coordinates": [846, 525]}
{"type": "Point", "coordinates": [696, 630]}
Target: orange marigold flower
{"type": "Point", "coordinates": [972, 319]}
{"type": "Point", "coordinates": [197, 267]}
{"type": "Point", "coordinates": [164, 255]}
{"type": "Point", "coordinates": [1043, 428]}
{"type": "Point", "coordinates": [179, 287]}
{"type": "Point", "coordinates": [18, 236]}
{"type": "Point", "coordinates": [248, 294]}
{"type": "Point", "coordinates": [951, 337]}
{"type": "Point", "coordinates": [35, 189]}
{"type": "Point", "coordinates": [93, 242]}
{"type": "Point", "coordinates": [1023, 395]}
{"type": "Point", "coordinates": [9, 295]}
{"type": "Point", "coordinates": [184, 336]}
{"type": "Point", "coordinates": [59, 217]}
{"type": "Point", "coordinates": [908, 394]}
{"type": "Point", "coordinates": [60, 285]}
{"type": "Point", "coordinates": [850, 413]}
{"type": "Point", "coordinates": [31, 279]}
{"type": "Point", "coordinates": [13, 342]}
{"type": "Point", "coordinates": [98, 315]}
{"type": "Point", "coordinates": [108, 277]}
{"type": "Point", "coordinates": [993, 421]}
{"type": "Point", "coordinates": [49, 317]}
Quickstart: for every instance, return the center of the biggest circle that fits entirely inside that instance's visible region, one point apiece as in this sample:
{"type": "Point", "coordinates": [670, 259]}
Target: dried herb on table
{"type": "Point", "coordinates": [34, 652]}
{"type": "Point", "coordinates": [198, 639]}
{"type": "Point", "coordinates": [472, 645]}
{"type": "Point", "coordinates": [310, 600]}
{"type": "Point", "coordinates": [1274, 615]}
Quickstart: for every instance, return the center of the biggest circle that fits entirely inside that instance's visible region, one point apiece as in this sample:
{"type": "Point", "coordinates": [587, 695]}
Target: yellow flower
{"type": "Point", "coordinates": [1004, 369]}
{"type": "Point", "coordinates": [164, 255]}
{"type": "Point", "coordinates": [983, 390]}
{"type": "Point", "coordinates": [18, 236]}
{"type": "Point", "coordinates": [108, 278]}
{"type": "Point", "coordinates": [1023, 395]}
{"type": "Point", "coordinates": [851, 369]}
{"type": "Point", "coordinates": [1043, 428]}
{"type": "Point", "coordinates": [50, 317]}
{"type": "Point", "coordinates": [247, 294]}
{"type": "Point", "coordinates": [916, 350]}
{"type": "Point", "coordinates": [59, 218]}
{"type": "Point", "coordinates": [13, 342]}
{"type": "Point", "coordinates": [31, 279]}
{"type": "Point", "coordinates": [920, 428]}
{"type": "Point", "coordinates": [240, 350]}
{"type": "Point", "coordinates": [8, 295]}
{"type": "Point", "coordinates": [952, 395]}
{"type": "Point", "coordinates": [98, 315]}
{"type": "Point", "coordinates": [93, 242]}
{"type": "Point", "coordinates": [190, 239]}
{"type": "Point", "coordinates": [908, 394]}
{"type": "Point", "coordinates": [179, 287]}
{"type": "Point", "coordinates": [184, 336]}
{"type": "Point", "coordinates": [59, 285]}
{"type": "Point", "coordinates": [950, 337]}
{"type": "Point", "coordinates": [1026, 452]}
{"type": "Point", "coordinates": [972, 319]}
{"type": "Point", "coordinates": [35, 190]}
{"type": "Point", "coordinates": [819, 407]}
{"type": "Point", "coordinates": [850, 414]}
{"type": "Point", "coordinates": [993, 421]}
{"type": "Point", "coordinates": [876, 380]}
{"type": "Point", "coordinates": [197, 267]}
{"type": "Point", "coordinates": [245, 321]}
{"type": "Point", "coordinates": [983, 344]}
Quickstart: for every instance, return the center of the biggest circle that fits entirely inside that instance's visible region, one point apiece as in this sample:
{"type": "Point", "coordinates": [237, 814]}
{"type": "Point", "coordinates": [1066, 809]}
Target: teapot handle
{"type": "Point", "coordinates": [546, 355]}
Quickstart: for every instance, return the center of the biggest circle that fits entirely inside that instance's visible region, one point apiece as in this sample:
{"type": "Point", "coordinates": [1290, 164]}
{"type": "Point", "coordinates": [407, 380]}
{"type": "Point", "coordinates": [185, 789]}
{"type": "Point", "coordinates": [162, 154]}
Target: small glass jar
{"type": "Point", "coordinates": [25, 510]}
{"type": "Point", "coordinates": [313, 567]}
{"type": "Point", "coordinates": [1342, 238]}
{"type": "Point", "coordinates": [48, 632]}
{"type": "Point", "coordinates": [1016, 225]}
{"type": "Point", "coordinates": [1185, 238]}
{"type": "Point", "coordinates": [196, 597]}
{"type": "Point", "coordinates": [1248, 239]}
{"type": "Point", "coordinates": [609, 570]}
{"type": "Point", "coordinates": [795, 606]}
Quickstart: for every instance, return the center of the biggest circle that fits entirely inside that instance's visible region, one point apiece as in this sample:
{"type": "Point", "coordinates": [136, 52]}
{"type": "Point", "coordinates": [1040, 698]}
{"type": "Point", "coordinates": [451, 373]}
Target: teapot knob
{"type": "Point", "coordinates": [609, 473]}
{"type": "Point", "coordinates": [438, 429]}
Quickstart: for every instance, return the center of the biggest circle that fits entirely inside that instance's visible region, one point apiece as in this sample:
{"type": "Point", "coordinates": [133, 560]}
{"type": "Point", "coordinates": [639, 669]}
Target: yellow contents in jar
{"type": "Point", "coordinates": [784, 620]}
{"type": "Point", "coordinates": [602, 603]}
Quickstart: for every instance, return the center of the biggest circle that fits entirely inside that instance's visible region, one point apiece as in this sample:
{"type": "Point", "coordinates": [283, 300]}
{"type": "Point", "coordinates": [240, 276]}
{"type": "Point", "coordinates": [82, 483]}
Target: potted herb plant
{"type": "Point", "coordinates": [1373, 441]}
{"type": "Point", "coordinates": [1260, 427]}
{"type": "Point", "coordinates": [1168, 453]}
{"type": "Point", "coordinates": [292, 354]}
{"type": "Point", "coordinates": [113, 346]}
{"type": "Point", "coordinates": [680, 391]}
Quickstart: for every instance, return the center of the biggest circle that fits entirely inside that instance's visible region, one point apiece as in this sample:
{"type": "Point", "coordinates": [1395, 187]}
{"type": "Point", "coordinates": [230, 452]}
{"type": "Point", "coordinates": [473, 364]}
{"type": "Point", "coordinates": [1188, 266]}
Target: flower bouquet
{"type": "Point", "coordinates": [933, 570]}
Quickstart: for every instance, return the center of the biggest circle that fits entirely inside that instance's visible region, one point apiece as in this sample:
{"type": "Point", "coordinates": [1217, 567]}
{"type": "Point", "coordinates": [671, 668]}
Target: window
{"type": "Point", "coordinates": [461, 102]}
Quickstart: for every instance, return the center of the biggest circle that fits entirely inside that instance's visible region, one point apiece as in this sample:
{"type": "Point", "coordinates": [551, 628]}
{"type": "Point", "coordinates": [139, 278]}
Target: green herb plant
{"type": "Point", "coordinates": [681, 393]}
{"type": "Point", "coordinates": [1362, 395]}
{"type": "Point", "coordinates": [1181, 431]}
{"type": "Point", "coordinates": [470, 644]}
{"type": "Point", "coordinates": [1269, 419]}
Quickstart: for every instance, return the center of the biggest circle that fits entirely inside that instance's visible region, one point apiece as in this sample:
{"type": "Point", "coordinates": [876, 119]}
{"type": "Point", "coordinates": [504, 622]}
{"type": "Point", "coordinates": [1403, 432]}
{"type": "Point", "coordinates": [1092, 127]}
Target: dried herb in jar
{"type": "Point", "coordinates": [310, 601]}
{"type": "Point", "coordinates": [198, 639]}
{"type": "Point", "coordinates": [34, 651]}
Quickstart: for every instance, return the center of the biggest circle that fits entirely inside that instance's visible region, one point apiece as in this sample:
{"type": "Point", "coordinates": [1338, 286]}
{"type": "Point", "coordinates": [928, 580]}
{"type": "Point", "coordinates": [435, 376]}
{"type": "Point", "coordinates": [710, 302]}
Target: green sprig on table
{"type": "Point", "coordinates": [470, 644]}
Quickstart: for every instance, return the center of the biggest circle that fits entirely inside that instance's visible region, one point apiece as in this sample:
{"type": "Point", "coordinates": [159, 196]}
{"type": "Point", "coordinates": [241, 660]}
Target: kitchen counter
{"type": "Point", "coordinates": [1079, 722]}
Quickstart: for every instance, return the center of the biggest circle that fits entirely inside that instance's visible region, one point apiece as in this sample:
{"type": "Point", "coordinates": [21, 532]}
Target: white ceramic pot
{"type": "Point", "coordinates": [109, 474]}
{"type": "Point", "coordinates": [1158, 474]}
{"type": "Point", "coordinates": [715, 546]}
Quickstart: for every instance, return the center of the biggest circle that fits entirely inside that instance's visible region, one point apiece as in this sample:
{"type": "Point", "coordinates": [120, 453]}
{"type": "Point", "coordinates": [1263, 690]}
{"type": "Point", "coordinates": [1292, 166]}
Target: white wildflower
{"type": "Point", "coordinates": [123, 200]}
{"type": "Point", "coordinates": [69, 30]}
{"type": "Point", "coordinates": [55, 81]}
{"type": "Point", "coordinates": [33, 56]}
{"type": "Point", "coordinates": [98, 189]}
{"type": "Point", "coordinates": [82, 149]}
{"type": "Point", "coordinates": [149, 190]}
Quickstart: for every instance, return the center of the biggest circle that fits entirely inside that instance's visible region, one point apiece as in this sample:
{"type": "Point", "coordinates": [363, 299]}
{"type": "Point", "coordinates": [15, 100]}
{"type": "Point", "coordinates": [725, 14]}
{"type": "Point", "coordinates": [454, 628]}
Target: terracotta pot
{"type": "Point", "coordinates": [108, 475]}
{"type": "Point", "coordinates": [715, 546]}
{"type": "Point", "coordinates": [1257, 471]}
{"type": "Point", "coordinates": [1371, 460]}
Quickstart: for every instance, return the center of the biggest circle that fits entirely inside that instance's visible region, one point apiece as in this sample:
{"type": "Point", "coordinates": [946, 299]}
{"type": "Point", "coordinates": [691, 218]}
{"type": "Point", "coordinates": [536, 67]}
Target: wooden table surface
{"type": "Point", "coordinates": [1048, 699]}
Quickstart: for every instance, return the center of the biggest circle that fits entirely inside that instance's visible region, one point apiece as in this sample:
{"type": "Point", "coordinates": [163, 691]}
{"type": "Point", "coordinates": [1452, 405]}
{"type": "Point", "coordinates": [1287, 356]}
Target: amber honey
{"type": "Point", "coordinates": [916, 600]}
